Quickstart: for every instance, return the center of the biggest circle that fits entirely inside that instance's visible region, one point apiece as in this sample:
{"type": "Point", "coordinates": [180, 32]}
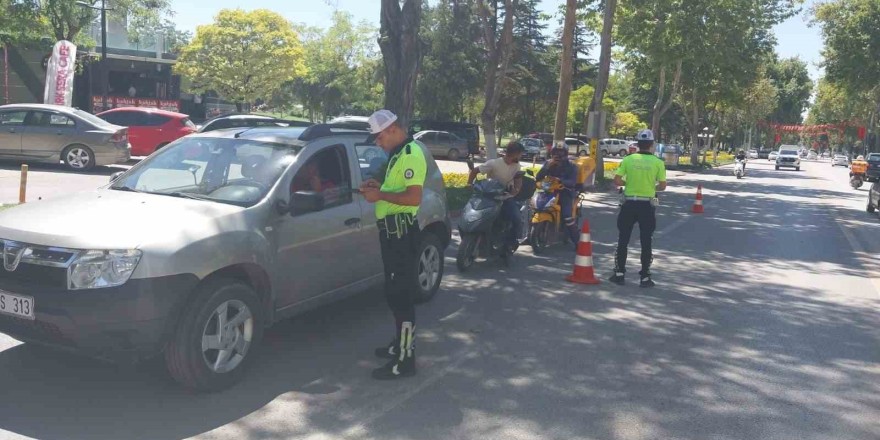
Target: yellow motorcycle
{"type": "Point", "coordinates": [546, 227]}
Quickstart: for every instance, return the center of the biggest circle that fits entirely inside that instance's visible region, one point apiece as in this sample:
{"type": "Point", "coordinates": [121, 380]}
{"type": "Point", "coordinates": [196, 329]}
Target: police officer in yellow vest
{"type": "Point", "coordinates": [397, 201]}
{"type": "Point", "coordinates": [643, 174]}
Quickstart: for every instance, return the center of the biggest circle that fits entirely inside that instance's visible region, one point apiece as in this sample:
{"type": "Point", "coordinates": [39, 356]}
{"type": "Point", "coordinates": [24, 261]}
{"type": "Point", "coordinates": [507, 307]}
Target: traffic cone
{"type": "Point", "coordinates": [698, 203]}
{"type": "Point", "coordinates": [583, 262]}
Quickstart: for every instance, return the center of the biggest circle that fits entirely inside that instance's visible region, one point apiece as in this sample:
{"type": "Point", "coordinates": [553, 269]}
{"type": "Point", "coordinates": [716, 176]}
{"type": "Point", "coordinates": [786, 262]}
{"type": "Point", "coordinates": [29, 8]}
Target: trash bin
{"type": "Point", "coordinates": [671, 154]}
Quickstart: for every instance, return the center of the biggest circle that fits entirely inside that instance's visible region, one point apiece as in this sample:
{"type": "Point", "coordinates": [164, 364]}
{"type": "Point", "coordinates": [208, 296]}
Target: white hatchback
{"type": "Point", "coordinates": [840, 160]}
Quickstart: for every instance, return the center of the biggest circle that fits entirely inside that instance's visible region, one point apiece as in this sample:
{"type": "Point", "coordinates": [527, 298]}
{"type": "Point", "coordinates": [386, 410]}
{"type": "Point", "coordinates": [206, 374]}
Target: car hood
{"type": "Point", "coordinates": [109, 219]}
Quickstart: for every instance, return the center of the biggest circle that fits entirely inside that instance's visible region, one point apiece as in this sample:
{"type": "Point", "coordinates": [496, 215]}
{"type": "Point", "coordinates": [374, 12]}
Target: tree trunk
{"type": "Point", "coordinates": [695, 129]}
{"type": "Point", "coordinates": [499, 51]}
{"type": "Point", "coordinates": [401, 53]}
{"type": "Point", "coordinates": [660, 108]}
{"type": "Point", "coordinates": [604, 71]}
{"type": "Point", "coordinates": [565, 73]}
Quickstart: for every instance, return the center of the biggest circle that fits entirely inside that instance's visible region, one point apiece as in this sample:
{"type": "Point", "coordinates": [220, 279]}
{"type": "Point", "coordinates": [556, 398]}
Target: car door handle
{"type": "Point", "coordinates": [352, 221]}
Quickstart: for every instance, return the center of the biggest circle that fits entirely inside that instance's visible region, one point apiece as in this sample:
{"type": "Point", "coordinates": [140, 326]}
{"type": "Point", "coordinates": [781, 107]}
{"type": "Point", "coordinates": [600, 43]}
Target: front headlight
{"type": "Point", "coordinates": [98, 269]}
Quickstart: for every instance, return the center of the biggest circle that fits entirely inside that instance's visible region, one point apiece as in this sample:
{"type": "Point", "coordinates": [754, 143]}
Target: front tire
{"type": "Point", "coordinates": [870, 208]}
{"type": "Point", "coordinates": [797, 169]}
{"type": "Point", "coordinates": [453, 154]}
{"type": "Point", "coordinates": [216, 338]}
{"type": "Point", "coordinates": [622, 153]}
{"type": "Point", "coordinates": [78, 158]}
{"type": "Point", "coordinates": [465, 257]}
{"type": "Point", "coordinates": [429, 270]}
{"type": "Point", "coordinates": [538, 237]}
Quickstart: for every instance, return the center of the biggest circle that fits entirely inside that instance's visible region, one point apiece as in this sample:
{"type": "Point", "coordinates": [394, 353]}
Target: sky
{"type": "Point", "coordinates": [795, 36]}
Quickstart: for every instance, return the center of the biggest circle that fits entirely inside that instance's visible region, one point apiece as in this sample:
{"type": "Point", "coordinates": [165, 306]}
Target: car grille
{"type": "Point", "coordinates": [787, 159]}
{"type": "Point", "coordinates": [36, 276]}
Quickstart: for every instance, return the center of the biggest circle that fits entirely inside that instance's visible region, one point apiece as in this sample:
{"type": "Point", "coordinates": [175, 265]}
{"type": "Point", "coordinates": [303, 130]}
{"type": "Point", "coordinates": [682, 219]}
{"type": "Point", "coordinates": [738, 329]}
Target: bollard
{"type": "Point", "coordinates": [22, 190]}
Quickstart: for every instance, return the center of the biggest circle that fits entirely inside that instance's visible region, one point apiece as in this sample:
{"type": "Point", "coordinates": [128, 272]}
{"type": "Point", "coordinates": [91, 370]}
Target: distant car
{"type": "Point", "coordinates": [771, 156]}
{"type": "Point", "coordinates": [49, 133]}
{"type": "Point", "coordinates": [534, 148]}
{"type": "Point", "coordinates": [840, 160]}
{"type": "Point", "coordinates": [577, 147]}
{"type": "Point", "coordinates": [753, 154]}
{"type": "Point", "coordinates": [443, 144]}
{"type": "Point", "coordinates": [246, 121]}
{"type": "Point", "coordinates": [354, 122]}
{"type": "Point", "coordinates": [788, 158]}
{"type": "Point", "coordinates": [608, 147]}
{"type": "Point", "coordinates": [825, 155]}
{"type": "Point", "coordinates": [873, 172]}
{"type": "Point", "coordinates": [149, 129]}
{"type": "Point", "coordinates": [764, 154]}
{"type": "Point", "coordinates": [812, 156]}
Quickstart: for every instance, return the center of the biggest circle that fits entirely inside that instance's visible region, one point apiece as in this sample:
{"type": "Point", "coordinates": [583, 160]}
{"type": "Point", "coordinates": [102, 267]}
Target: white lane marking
{"type": "Point", "coordinates": [860, 252]}
{"type": "Point", "coordinates": [675, 225]}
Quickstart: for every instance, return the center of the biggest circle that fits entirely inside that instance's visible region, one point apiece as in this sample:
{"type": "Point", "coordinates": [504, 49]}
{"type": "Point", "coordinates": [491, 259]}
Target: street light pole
{"type": "Point", "coordinates": [104, 72]}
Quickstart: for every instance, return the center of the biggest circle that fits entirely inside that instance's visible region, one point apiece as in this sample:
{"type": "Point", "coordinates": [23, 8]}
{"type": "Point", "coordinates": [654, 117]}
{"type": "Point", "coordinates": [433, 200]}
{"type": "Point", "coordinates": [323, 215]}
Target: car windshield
{"type": "Point", "coordinates": [234, 171]}
{"type": "Point", "coordinates": [873, 157]}
{"type": "Point", "coordinates": [788, 152]}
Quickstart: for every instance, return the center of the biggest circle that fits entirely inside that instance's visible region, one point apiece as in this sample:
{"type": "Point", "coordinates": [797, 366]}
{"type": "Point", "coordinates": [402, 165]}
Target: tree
{"type": "Point", "coordinates": [851, 29]}
{"type": "Point", "coordinates": [66, 19]}
{"type": "Point", "coordinates": [20, 21]}
{"type": "Point", "coordinates": [626, 124]}
{"type": "Point", "coordinates": [499, 47]}
{"type": "Point", "coordinates": [243, 56]}
{"type": "Point", "coordinates": [335, 56]}
{"type": "Point", "coordinates": [604, 69]}
{"type": "Point", "coordinates": [452, 69]}
{"type": "Point", "coordinates": [794, 87]}
{"type": "Point", "coordinates": [402, 53]}
{"type": "Point", "coordinates": [565, 72]}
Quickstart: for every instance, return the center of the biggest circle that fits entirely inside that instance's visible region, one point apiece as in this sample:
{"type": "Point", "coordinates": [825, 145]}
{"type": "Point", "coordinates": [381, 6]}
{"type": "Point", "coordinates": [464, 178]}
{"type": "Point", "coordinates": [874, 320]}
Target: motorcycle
{"type": "Point", "coordinates": [740, 169]}
{"type": "Point", "coordinates": [857, 172]}
{"type": "Point", "coordinates": [546, 227]}
{"type": "Point", "coordinates": [482, 228]}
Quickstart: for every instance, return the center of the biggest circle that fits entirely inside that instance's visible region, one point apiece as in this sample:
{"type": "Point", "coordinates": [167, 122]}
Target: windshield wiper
{"type": "Point", "coordinates": [126, 188]}
{"type": "Point", "coordinates": [186, 195]}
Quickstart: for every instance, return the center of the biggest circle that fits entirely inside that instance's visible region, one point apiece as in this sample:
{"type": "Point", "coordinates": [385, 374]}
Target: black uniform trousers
{"type": "Point", "coordinates": [399, 239]}
{"type": "Point", "coordinates": [631, 213]}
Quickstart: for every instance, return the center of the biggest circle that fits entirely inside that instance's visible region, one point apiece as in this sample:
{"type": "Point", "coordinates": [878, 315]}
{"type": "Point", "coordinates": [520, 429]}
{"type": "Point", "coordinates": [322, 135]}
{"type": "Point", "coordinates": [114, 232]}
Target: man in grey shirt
{"type": "Point", "coordinates": [505, 170]}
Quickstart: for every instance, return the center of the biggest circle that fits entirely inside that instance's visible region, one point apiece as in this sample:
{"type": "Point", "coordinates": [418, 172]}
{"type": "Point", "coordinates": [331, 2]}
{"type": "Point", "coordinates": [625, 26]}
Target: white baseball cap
{"type": "Point", "coordinates": [645, 135]}
{"type": "Point", "coordinates": [380, 120]}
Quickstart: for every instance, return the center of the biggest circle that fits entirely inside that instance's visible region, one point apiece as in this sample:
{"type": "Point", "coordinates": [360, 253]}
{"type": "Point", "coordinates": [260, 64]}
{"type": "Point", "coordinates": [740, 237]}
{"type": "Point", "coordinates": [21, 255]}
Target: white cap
{"type": "Point", "coordinates": [380, 120]}
{"type": "Point", "coordinates": [645, 135]}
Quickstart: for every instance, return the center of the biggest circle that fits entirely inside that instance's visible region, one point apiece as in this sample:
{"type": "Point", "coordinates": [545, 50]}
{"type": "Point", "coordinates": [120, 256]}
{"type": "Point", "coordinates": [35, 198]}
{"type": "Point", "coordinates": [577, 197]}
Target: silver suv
{"type": "Point", "coordinates": [194, 251]}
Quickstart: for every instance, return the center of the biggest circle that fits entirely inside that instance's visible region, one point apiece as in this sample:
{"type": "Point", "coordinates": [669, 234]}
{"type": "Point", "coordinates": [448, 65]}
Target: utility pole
{"type": "Point", "coordinates": [104, 73]}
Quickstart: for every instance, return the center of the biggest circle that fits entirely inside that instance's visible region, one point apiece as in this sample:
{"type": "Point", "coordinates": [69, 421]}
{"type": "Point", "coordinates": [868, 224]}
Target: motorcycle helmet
{"type": "Point", "coordinates": [560, 152]}
{"type": "Point", "coordinates": [860, 157]}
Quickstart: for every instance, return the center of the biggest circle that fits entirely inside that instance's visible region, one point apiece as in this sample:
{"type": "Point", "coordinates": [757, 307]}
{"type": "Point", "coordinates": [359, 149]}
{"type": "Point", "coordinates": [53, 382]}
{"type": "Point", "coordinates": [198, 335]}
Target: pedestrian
{"type": "Point", "coordinates": [642, 174]}
{"type": "Point", "coordinates": [397, 201]}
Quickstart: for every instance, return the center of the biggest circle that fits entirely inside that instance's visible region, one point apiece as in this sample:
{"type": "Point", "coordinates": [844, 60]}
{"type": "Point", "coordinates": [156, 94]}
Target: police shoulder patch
{"type": "Point", "coordinates": [408, 173]}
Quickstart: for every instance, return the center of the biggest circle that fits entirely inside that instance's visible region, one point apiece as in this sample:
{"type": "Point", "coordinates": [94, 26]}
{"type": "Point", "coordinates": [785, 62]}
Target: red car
{"type": "Point", "coordinates": [149, 129]}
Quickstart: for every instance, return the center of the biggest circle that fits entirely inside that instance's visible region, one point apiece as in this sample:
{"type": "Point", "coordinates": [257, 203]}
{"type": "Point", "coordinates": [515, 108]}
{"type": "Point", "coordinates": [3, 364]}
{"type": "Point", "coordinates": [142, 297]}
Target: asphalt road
{"type": "Point", "coordinates": [764, 325]}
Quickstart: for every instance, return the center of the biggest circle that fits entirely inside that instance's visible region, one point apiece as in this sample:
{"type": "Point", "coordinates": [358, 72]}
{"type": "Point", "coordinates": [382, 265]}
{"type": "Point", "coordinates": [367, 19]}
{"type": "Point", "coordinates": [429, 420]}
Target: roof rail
{"type": "Point", "coordinates": [318, 131]}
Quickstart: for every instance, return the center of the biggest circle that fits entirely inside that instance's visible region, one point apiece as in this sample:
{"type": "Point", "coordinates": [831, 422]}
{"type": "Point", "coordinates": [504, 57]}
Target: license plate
{"type": "Point", "coordinates": [16, 305]}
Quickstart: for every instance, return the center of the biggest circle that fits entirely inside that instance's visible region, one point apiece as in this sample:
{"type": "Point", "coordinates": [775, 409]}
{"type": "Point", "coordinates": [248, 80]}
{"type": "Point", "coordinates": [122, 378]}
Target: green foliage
{"type": "Point", "coordinates": [20, 21]}
{"type": "Point", "coordinates": [626, 124]}
{"type": "Point", "coordinates": [243, 56]}
{"type": "Point", "coordinates": [851, 29]}
{"type": "Point", "coordinates": [791, 79]}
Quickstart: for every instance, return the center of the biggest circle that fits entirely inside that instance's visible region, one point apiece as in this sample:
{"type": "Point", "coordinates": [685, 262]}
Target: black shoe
{"type": "Point", "coordinates": [390, 351]}
{"type": "Point", "coordinates": [618, 279]}
{"type": "Point", "coordinates": [646, 282]}
{"type": "Point", "coordinates": [396, 369]}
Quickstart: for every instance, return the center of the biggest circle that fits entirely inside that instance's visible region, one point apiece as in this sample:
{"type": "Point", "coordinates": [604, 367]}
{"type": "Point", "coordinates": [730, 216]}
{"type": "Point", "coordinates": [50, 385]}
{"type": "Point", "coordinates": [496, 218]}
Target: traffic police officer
{"type": "Point", "coordinates": [397, 201]}
{"type": "Point", "coordinates": [642, 174]}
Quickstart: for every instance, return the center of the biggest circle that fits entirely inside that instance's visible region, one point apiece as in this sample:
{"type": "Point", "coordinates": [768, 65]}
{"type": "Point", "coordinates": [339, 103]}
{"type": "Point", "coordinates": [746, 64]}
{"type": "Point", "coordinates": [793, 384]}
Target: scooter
{"type": "Point", "coordinates": [482, 228]}
{"type": "Point", "coordinates": [740, 169]}
{"type": "Point", "coordinates": [546, 228]}
{"type": "Point", "coordinates": [856, 180]}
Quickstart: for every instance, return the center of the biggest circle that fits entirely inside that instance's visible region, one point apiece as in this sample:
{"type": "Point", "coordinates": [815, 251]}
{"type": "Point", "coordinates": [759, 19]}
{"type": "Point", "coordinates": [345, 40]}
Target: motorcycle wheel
{"type": "Point", "coordinates": [538, 237]}
{"type": "Point", "coordinates": [464, 259]}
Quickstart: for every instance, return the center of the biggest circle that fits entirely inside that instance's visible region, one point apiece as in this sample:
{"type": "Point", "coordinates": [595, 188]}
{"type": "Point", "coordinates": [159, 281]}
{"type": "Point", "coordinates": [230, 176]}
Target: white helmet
{"type": "Point", "coordinates": [860, 157]}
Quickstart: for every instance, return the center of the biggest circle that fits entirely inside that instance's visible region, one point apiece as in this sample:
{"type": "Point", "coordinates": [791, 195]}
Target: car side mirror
{"type": "Point", "coordinates": [116, 175]}
{"type": "Point", "coordinates": [304, 202]}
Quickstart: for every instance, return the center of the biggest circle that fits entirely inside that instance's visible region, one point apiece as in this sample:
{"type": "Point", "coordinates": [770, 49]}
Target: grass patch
{"type": "Point", "coordinates": [4, 207]}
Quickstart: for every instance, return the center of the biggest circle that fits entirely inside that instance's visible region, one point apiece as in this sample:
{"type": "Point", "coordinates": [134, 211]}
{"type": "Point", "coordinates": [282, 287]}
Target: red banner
{"type": "Point", "coordinates": [124, 101]}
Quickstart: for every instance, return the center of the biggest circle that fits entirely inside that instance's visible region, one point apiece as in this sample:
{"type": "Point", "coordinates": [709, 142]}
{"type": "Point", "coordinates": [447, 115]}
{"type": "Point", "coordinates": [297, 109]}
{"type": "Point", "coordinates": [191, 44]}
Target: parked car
{"type": "Point", "coordinates": [753, 154]}
{"type": "Point", "coordinates": [841, 160]}
{"type": "Point", "coordinates": [772, 156]}
{"type": "Point", "coordinates": [353, 122]}
{"type": "Point", "coordinates": [873, 198]}
{"type": "Point", "coordinates": [812, 155]}
{"type": "Point", "coordinates": [873, 172]}
{"type": "Point", "coordinates": [231, 237]}
{"type": "Point", "coordinates": [764, 154]}
{"type": "Point", "coordinates": [546, 138]}
{"type": "Point", "coordinates": [577, 147]}
{"type": "Point", "coordinates": [610, 147]}
{"type": "Point", "coordinates": [788, 158]}
{"type": "Point", "coordinates": [51, 133]}
{"type": "Point", "coordinates": [238, 121]}
{"type": "Point", "coordinates": [149, 129]}
{"type": "Point", "coordinates": [469, 132]}
{"type": "Point", "coordinates": [534, 149]}
{"type": "Point", "coordinates": [443, 144]}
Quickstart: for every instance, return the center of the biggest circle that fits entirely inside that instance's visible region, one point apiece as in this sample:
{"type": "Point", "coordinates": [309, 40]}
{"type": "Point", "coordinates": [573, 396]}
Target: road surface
{"type": "Point", "coordinates": [764, 325]}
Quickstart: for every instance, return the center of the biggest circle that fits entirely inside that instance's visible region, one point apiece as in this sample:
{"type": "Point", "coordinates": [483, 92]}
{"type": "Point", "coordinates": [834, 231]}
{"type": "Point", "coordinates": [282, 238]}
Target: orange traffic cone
{"type": "Point", "coordinates": [583, 262]}
{"type": "Point", "coordinates": [698, 203]}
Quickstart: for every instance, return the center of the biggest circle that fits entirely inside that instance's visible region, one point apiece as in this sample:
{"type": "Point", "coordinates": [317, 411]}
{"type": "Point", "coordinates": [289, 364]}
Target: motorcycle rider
{"type": "Point", "coordinates": [504, 170]}
{"type": "Point", "coordinates": [560, 167]}
{"type": "Point", "coordinates": [741, 156]}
